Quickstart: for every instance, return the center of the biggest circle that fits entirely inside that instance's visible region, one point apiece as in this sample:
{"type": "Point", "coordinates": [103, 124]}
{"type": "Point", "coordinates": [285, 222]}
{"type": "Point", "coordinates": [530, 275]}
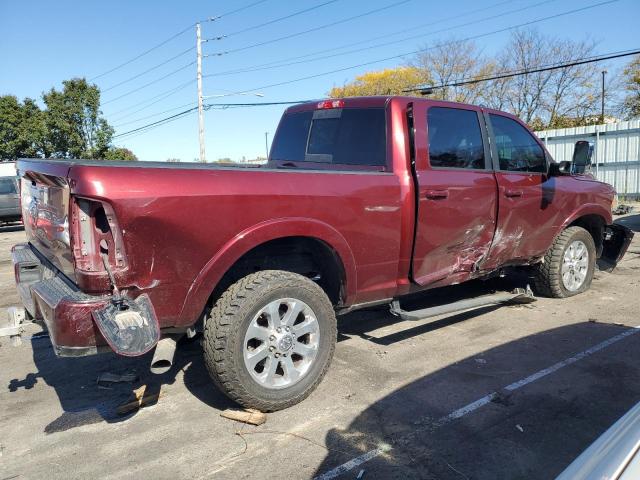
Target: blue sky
{"type": "Point", "coordinates": [44, 42]}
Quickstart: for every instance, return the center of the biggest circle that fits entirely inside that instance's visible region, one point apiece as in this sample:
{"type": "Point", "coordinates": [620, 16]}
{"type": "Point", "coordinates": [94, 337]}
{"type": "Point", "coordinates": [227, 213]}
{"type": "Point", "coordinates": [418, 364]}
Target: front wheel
{"type": "Point", "coordinates": [568, 266]}
{"type": "Point", "coordinates": [269, 339]}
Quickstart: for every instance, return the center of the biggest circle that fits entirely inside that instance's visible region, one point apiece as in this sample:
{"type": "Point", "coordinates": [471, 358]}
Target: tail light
{"type": "Point", "coordinates": [326, 104]}
{"type": "Point", "coordinates": [94, 232]}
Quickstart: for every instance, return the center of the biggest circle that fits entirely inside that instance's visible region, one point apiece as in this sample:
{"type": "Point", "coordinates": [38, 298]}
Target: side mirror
{"type": "Point", "coordinates": [582, 154]}
{"type": "Point", "coordinates": [559, 168]}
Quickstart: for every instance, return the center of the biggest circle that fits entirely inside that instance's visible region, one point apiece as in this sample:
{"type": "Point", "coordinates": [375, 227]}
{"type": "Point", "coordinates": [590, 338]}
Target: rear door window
{"type": "Point", "coordinates": [344, 136]}
{"type": "Point", "coordinates": [455, 138]}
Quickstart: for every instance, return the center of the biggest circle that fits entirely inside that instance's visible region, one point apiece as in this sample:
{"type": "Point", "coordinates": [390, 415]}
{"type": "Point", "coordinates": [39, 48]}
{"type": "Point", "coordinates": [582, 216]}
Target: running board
{"type": "Point", "coordinates": [518, 296]}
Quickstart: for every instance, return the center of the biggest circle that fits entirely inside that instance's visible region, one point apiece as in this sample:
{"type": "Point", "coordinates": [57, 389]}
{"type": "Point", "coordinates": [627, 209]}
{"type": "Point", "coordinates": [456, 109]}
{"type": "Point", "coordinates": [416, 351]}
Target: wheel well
{"type": "Point", "coordinates": [306, 256]}
{"type": "Point", "coordinates": [594, 224]}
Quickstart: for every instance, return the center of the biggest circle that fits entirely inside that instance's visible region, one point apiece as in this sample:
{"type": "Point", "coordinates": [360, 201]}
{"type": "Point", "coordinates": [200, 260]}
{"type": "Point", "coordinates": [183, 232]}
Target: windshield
{"type": "Point", "coordinates": [349, 136]}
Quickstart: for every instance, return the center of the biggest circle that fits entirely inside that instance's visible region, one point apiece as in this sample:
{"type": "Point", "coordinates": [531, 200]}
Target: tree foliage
{"type": "Point", "coordinates": [74, 123]}
{"type": "Point", "coordinates": [71, 125]}
{"type": "Point", "coordinates": [22, 132]}
{"type": "Point", "coordinates": [631, 81]}
{"type": "Point", "coordinates": [119, 153]}
{"type": "Point", "coordinates": [392, 81]}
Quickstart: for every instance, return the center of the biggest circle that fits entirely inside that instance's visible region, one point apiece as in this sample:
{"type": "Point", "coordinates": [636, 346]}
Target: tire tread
{"type": "Point", "coordinates": [222, 325]}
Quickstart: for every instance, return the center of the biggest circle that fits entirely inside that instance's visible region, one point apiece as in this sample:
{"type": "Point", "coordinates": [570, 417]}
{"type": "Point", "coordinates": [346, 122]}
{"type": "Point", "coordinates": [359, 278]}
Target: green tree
{"type": "Point", "coordinates": [631, 79]}
{"type": "Point", "coordinates": [119, 153]}
{"type": "Point", "coordinates": [392, 81]}
{"type": "Point", "coordinates": [75, 127]}
{"type": "Point", "coordinates": [22, 130]}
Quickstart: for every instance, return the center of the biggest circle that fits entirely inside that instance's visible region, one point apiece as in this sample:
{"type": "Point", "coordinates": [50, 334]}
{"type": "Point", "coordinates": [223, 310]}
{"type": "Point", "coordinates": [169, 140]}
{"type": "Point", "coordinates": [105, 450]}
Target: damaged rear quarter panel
{"type": "Point", "coordinates": [174, 221]}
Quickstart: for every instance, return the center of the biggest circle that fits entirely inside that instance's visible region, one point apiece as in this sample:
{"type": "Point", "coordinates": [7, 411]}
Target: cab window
{"type": "Point", "coordinates": [455, 138]}
{"type": "Point", "coordinates": [518, 151]}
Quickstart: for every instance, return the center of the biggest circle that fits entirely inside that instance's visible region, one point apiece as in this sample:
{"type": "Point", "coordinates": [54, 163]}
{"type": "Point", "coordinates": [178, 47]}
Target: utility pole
{"type": "Point", "coordinates": [604, 72]}
{"type": "Point", "coordinates": [266, 143]}
{"type": "Point", "coordinates": [200, 107]}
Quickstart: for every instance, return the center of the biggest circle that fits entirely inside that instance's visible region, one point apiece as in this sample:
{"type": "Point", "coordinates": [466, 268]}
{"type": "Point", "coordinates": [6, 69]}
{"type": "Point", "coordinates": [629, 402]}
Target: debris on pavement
{"type": "Point", "coordinates": [107, 378]}
{"type": "Point", "coordinates": [360, 474]}
{"type": "Point", "coordinates": [622, 209]}
{"type": "Point", "coordinates": [142, 398]}
{"type": "Point", "coordinates": [519, 428]}
{"type": "Point", "coordinates": [250, 415]}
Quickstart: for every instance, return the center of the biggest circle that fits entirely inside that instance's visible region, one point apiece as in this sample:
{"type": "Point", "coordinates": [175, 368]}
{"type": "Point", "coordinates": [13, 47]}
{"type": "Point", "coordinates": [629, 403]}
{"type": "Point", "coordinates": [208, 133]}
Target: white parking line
{"type": "Point", "coordinates": [473, 406]}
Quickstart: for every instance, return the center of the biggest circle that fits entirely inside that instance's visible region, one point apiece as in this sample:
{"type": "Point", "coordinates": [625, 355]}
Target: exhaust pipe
{"type": "Point", "coordinates": [163, 355]}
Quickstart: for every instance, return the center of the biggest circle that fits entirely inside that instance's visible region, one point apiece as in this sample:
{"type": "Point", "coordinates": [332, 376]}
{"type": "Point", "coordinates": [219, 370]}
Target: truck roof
{"type": "Point", "coordinates": [378, 101]}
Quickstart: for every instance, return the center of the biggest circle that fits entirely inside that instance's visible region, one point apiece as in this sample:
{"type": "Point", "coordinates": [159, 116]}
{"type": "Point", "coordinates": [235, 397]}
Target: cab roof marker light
{"type": "Point", "coordinates": [331, 104]}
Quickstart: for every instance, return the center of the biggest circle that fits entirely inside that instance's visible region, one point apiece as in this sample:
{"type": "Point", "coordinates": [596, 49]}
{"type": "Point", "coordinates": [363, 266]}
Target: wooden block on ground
{"type": "Point", "coordinates": [250, 416]}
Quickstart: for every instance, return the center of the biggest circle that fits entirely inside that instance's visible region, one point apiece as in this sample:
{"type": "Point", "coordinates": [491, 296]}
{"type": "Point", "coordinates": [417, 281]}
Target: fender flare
{"type": "Point", "coordinates": [583, 210]}
{"type": "Point", "coordinates": [251, 237]}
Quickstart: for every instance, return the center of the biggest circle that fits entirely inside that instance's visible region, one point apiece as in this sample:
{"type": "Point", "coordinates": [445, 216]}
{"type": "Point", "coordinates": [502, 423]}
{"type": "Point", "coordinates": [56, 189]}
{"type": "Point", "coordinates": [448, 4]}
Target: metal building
{"type": "Point", "coordinates": [616, 157]}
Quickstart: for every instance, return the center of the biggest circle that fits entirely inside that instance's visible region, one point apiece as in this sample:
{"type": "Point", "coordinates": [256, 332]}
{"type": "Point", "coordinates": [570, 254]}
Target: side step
{"type": "Point", "coordinates": [517, 296]}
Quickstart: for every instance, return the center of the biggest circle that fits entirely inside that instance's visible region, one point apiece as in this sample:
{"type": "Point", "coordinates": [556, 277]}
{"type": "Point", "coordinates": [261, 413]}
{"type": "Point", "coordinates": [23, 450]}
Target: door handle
{"type": "Point", "coordinates": [512, 193]}
{"type": "Point", "coordinates": [437, 194]}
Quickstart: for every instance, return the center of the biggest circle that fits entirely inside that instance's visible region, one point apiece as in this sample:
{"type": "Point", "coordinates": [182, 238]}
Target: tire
{"type": "Point", "coordinates": [548, 278]}
{"type": "Point", "coordinates": [292, 366]}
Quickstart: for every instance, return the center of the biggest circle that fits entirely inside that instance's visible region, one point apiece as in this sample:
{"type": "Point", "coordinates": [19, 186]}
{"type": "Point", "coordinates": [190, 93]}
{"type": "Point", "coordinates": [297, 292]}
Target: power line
{"type": "Point", "coordinates": [153, 115]}
{"type": "Point", "coordinates": [176, 35]}
{"type": "Point", "coordinates": [464, 82]}
{"type": "Point", "coordinates": [275, 20]}
{"type": "Point", "coordinates": [254, 104]}
{"type": "Point", "coordinates": [511, 74]}
{"type": "Point", "coordinates": [137, 89]}
{"type": "Point", "coordinates": [184, 52]}
{"type": "Point", "coordinates": [414, 52]}
{"type": "Point", "coordinates": [207, 107]}
{"type": "Point", "coordinates": [314, 29]}
{"type": "Point", "coordinates": [352, 44]}
{"type": "Point", "coordinates": [270, 66]}
{"type": "Point", "coordinates": [238, 10]}
{"type": "Point", "coordinates": [158, 122]}
{"type": "Point", "coordinates": [146, 52]}
{"type": "Point", "coordinates": [159, 97]}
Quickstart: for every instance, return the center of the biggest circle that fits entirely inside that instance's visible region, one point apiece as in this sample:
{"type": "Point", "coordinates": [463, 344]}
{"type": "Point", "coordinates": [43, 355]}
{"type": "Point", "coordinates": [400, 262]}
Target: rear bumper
{"type": "Point", "coordinates": [51, 298]}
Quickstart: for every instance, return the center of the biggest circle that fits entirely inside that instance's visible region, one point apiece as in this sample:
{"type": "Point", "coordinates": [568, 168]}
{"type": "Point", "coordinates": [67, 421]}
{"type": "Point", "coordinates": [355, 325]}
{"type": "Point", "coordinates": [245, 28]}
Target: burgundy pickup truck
{"type": "Point", "coordinates": [362, 201]}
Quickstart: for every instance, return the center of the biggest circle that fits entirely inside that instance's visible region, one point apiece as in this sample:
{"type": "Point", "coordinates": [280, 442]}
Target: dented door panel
{"type": "Point", "coordinates": [456, 215]}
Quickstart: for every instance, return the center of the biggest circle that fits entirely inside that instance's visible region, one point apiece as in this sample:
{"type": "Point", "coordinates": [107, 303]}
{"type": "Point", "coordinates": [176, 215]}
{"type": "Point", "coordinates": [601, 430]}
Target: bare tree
{"type": "Point", "coordinates": [558, 97]}
{"type": "Point", "coordinates": [527, 50]}
{"type": "Point", "coordinates": [450, 62]}
{"type": "Point", "coordinates": [572, 92]}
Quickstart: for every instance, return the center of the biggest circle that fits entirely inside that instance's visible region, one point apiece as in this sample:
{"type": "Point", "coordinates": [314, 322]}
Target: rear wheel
{"type": "Point", "coordinates": [568, 265]}
{"type": "Point", "coordinates": [269, 339]}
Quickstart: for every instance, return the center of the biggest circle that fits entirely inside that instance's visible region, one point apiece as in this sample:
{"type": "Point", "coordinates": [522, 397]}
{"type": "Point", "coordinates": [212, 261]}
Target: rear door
{"type": "Point", "coordinates": [527, 207]}
{"type": "Point", "coordinates": [456, 189]}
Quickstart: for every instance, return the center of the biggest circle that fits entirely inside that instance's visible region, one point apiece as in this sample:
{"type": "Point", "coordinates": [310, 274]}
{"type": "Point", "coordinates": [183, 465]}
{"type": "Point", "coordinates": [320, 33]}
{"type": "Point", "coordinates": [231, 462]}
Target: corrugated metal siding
{"type": "Point", "coordinates": [616, 151]}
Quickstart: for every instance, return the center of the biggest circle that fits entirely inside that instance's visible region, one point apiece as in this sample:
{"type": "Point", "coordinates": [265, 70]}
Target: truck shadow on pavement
{"type": "Point", "coordinates": [533, 431]}
{"type": "Point", "coordinates": [84, 401]}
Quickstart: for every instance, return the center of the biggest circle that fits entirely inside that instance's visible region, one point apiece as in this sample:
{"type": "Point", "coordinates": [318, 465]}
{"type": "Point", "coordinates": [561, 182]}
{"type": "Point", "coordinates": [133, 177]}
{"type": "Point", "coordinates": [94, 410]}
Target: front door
{"type": "Point", "coordinates": [456, 187]}
{"type": "Point", "coordinates": [528, 207]}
